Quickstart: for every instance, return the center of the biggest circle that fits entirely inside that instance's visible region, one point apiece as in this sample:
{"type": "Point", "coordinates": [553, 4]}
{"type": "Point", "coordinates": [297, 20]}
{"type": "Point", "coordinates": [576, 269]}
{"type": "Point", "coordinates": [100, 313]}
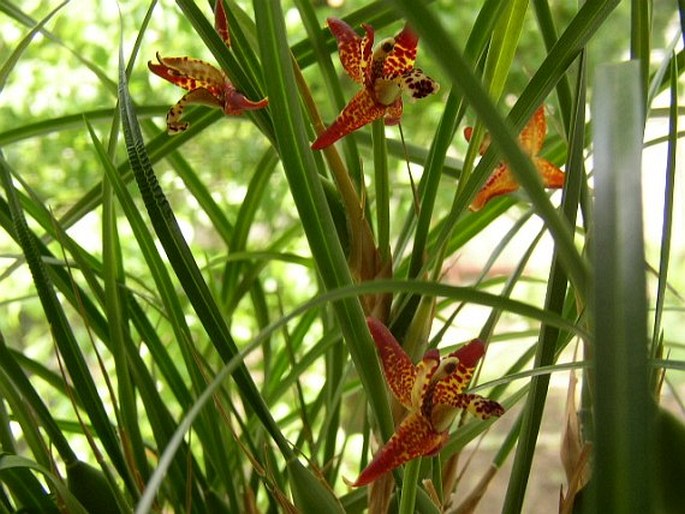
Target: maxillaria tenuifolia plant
{"type": "Point", "coordinates": [340, 287]}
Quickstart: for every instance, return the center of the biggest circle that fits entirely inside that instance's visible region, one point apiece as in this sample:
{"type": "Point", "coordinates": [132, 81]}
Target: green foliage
{"type": "Point", "coordinates": [184, 317]}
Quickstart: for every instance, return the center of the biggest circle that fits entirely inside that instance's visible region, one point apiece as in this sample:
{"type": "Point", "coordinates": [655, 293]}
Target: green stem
{"type": "Point", "coordinates": [411, 478]}
{"type": "Point", "coordinates": [382, 187]}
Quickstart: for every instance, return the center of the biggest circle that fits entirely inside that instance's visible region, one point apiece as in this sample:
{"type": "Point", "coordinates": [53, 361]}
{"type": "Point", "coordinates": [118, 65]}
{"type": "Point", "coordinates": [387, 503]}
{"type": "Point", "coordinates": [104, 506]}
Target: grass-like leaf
{"type": "Point", "coordinates": [624, 411]}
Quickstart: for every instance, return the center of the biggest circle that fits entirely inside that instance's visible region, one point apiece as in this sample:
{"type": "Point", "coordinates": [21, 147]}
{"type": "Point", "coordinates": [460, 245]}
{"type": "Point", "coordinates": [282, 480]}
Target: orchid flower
{"type": "Point", "coordinates": [432, 391]}
{"type": "Point", "coordinates": [501, 181]}
{"type": "Point", "coordinates": [206, 84]}
{"type": "Point", "coordinates": [384, 74]}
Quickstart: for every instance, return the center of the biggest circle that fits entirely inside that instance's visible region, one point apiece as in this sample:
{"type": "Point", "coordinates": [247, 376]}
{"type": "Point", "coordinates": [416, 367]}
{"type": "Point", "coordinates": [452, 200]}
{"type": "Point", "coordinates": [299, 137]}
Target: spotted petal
{"type": "Point", "coordinates": [394, 113]}
{"type": "Point", "coordinates": [399, 371]}
{"type": "Point", "coordinates": [196, 96]}
{"type": "Point", "coordinates": [499, 183]}
{"type": "Point", "coordinates": [414, 437]}
{"type": "Point", "coordinates": [447, 396]}
{"type": "Point", "coordinates": [482, 408]}
{"type": "Point", "coordinates": [457, 373]}
{"type": "Point", "coordinates": [417, 84]}
{"type": "Point", "coordinates": [402, 57]}
{"type": "Point", "coordinates": [552, 177]}
{"type": "Point", "coordinates": [502, 182]}
{"type": "Point", "coordinates": [354, 50]}
{"type": "Point", "coordinates": [189, 73]}
{"type": "Point", "coordinates": [362, 109]}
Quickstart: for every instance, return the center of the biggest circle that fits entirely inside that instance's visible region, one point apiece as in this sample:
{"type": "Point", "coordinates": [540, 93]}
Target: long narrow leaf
{"type": "Point", "coordinates": [623, 408]}
{"type": "Point", "coordinates": [63, 333]}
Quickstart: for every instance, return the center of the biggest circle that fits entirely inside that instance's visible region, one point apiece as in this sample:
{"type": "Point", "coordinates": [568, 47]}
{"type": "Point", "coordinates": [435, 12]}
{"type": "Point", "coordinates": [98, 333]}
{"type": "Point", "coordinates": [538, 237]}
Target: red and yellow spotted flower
{"type": "Point", "coordinates": [501, 181]}
{"type": "Point", "coordinates": [383, 73]}
{"type": "Point", "coordinates": [432, 391]}
{"type": "Point", "coordinates": [205, 84]}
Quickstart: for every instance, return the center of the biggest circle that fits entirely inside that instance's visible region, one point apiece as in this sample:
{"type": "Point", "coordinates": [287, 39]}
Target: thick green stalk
{"type": "Point", "coordinates": [409, 486]}
{"type": "Point", "coordinates": [382, 188]}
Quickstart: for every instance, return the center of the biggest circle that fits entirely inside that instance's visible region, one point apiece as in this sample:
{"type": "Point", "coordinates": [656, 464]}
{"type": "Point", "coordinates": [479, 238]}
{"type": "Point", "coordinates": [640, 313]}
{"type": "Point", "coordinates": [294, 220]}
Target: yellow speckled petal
{"type": "Point", "coordinates": [189, 73]}
{"type": "Point", "coordinates": [456, 374]}
{"type": "Point", "coordinates": [399, 371]}
{"type": "Point", "coordinates": [354, 50]}
{"type": "Point", "coordinates": [482, 408]}
{"type": "Point", "coordinates": [447, 397]}
{"type": "Point", "coordinates": [196, 96]}
{"type": "Point", "coordinates": [414, 437]}
{"type": "Point", "coordinates": [403, 55]}
{"type": "Point", "coordinates": [362, 109]}
{"type": "Point", "coordinates": [424, 376]}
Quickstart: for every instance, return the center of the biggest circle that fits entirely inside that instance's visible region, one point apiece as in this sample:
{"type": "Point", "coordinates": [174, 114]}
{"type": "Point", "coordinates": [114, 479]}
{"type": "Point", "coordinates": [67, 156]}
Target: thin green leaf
{"type": "Point", "coordinates": [63, 334]}
{"type": "Point", "coordinates": [669, 184]}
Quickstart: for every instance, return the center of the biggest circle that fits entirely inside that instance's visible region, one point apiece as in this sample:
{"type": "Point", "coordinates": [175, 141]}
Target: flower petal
{"type": "Point", "coordinates": [403, 55]}
{"type": "Point", "coordinates": [362, 109]}
{"type": "Point", "coordinates": [425, 371]}
{"type": "Point", "coordinates": [394, 113]}
{"type": "Point", "coordinates": [354, 51]}
{"type": "Point", "coordinates": [552, 177]}
{"type": "Point", "coordinates": [414, 437]}
{"type": "Point", "coordinates": [417, 83]}
{"type": "Point", "coordinates": [533, 134]}
{"type": "Point", "coordinates": [468, 134]}
{"type": "Point", "coordinates": [502, 181]}
{"type": "Point", "coordinates": [235, 103]}
{"type": "Point", "coordinates": [442, 414]}
{"type": "Point", "coordinates": [189, 73]}
{"type": "Point", "coordinates": [456, 371]}
{"type": "Point", "coordinates": [470, 353]}
{"type": "Point", "coordinates": [499, 183]}
{"type": "Point", "coordinates": [399, 371]}
{"type": "Point", "coordinates": [482, 408]}
{"type": "Point", "coordinates": [196, 96]}
{"type": "Point", "coordinates": [221, 22]}
{"type": "Point", "coordinates": [447, 397]}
